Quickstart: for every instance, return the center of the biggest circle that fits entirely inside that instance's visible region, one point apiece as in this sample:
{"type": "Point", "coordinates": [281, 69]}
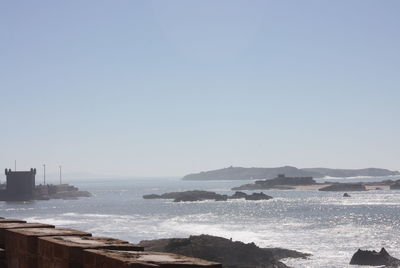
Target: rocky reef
{"type": "Point", "coordinates": [280, 182]}
{"type": "Point", "coordinates": [232, 254]}
{"type": "Point", "coordinates": [373, 258]}
{"type": "Point", "coordinates": [344, 187]}
{"type": "Point", "coordinates": [198, 195]}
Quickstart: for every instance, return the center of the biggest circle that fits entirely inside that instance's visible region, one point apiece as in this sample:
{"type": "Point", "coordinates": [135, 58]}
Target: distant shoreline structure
{"type": "Point", "coordinates": [21, 186]}
{"type": "Point", "coordinates": [241, 173]}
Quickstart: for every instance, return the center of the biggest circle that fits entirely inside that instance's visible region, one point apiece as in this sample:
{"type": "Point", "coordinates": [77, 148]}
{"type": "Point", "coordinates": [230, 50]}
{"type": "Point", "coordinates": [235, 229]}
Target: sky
{"type": "Point", "coordinates": [166, 88]}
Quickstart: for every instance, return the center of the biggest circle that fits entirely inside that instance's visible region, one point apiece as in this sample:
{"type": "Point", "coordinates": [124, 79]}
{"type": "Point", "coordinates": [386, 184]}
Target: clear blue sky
{"type": "Point", "coordinates": [164, 88]}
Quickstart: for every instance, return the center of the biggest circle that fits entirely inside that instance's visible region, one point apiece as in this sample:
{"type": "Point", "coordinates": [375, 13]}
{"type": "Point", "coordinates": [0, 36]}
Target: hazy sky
{"type": "Point", "coordinates": [164, 88]}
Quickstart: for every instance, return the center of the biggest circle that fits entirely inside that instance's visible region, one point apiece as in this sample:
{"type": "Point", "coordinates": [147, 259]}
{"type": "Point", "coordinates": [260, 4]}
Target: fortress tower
{"type": "Point", "coordinates": [20, 184]}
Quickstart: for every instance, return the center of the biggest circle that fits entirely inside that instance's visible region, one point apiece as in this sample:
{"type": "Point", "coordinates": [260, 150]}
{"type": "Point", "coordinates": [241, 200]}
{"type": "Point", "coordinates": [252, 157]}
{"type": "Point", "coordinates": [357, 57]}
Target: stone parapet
{"type": "Point", "coordinates": [22, 244]}
{"type": "Point", "coordinates": [18, 225]}
{"type": "Point", "coordinates": [36, 245]}
{"type": "Point", "coordinates": [67, 251]}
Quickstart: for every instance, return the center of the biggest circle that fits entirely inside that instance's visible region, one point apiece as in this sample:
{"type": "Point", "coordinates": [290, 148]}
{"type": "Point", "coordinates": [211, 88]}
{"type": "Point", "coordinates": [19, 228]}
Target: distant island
{"type": "Point", "coordinates": [241, 173]}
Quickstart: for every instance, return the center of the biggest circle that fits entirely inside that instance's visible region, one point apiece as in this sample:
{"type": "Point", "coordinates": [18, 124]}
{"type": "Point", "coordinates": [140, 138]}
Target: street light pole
{"type": "Point", "coordinates": [44, 174]}
{"type": "Point", "coordinates": [60, 175]}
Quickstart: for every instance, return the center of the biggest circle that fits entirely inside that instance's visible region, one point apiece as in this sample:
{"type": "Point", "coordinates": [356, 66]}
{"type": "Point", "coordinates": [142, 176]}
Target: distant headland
{"type": "Point", "coordinates": [241, 173]}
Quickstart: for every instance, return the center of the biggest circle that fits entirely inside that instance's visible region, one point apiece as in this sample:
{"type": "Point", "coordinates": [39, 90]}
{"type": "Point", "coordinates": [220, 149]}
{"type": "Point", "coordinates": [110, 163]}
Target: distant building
{"type": "Point", "coordinates": [20, 184]}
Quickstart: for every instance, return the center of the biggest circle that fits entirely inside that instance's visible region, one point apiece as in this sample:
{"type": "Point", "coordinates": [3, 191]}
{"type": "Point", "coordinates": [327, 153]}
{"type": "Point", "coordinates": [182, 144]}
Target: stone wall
{"type": "Point", "coordinates": [36, 245]}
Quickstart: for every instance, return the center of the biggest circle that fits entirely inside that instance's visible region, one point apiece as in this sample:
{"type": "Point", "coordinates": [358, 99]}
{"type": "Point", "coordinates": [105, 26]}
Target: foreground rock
{"type": "Point", "coordinates": [230, 254]}
{"type": "Point", "coordinates": [197, 195]}
{"type": "Point", "coordinates": [373, 258]}
{"type": "Point", "coordinates": [280, 182]}
{"type": "Point", "coordinates": [344, 187]}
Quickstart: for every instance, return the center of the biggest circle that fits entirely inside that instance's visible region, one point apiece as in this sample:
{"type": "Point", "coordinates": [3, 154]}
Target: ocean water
{"type": "Point", "coordinates": [324, 224]}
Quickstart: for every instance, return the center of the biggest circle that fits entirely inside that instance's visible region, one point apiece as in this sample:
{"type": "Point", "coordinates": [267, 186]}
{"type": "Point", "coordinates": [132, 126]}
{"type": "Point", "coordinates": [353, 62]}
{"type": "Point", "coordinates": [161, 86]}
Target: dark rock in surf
{"type": "Point", "coordinates": [258, 196]}
{"type": "Point", "coordinates": [373, 258]}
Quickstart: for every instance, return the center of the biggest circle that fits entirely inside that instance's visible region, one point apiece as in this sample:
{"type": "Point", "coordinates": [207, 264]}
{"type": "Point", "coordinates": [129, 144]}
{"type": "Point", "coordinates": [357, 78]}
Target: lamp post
{"type": "Point", "coordinates": [44, 174]}
{"type": "Point", "coordinates": [60, 175]}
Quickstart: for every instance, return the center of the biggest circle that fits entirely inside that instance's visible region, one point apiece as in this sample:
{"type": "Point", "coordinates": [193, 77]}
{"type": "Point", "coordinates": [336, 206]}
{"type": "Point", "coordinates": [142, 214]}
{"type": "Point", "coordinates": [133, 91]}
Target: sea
{"type": "Point", "coordinates": [324, 224]}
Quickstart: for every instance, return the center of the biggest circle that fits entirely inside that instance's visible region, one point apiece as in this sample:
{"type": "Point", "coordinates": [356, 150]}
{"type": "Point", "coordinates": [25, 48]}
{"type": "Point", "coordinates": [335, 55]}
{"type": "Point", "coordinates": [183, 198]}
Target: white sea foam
{"type": "Point", "coordinates": [54, 221]}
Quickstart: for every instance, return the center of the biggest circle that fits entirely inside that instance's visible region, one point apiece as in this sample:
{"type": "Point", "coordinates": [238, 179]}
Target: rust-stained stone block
{"type": "Point", "coordinates": [7, 220]}
{"type": "Point", "coordinates": [18, 225]}
{"type": "Point", "coordinates": [3, 263]}
{"type": "Point", "coordinates": [67, 251]}
{"type": "Point", "coordinates": [21, 244]}
{"type": "Point", "coordinates": [101, 258]}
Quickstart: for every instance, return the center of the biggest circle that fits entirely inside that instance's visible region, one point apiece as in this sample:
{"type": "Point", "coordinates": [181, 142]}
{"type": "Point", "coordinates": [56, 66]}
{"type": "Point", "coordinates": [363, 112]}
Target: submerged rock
{"type": "Point", "coordinates": [346, 195]}
{"type": "Point", "coordinates": [232, 254]}
{"type": "Point", "coordinates": [373, 258]}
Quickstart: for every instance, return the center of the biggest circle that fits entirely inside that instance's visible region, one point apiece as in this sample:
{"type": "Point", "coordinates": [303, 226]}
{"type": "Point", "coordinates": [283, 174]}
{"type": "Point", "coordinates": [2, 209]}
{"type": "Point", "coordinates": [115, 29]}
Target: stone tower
{"type": "Point", "coordinates": [20, 184]}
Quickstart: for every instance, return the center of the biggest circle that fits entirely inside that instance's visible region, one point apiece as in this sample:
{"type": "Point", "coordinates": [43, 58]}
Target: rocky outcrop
{"type": "Point", "coordinates": [232, 254]}
{"type": "Point", "coordinates": [186, 196]}
{"type": "Point", "coordinates": [258, 196]}
{"type": "Point", "coordinates": [238, 195]}
{"type": "Point", "coordinates": [344, 187]}
{"type": "Point", "coordinates": [280, 182]}
{"type": "Point", "coordinates": [197, 195]}
{"type": "Point", "coordinates": [373, 258]}
{"type": "Point", "coordinates": [395, 185]}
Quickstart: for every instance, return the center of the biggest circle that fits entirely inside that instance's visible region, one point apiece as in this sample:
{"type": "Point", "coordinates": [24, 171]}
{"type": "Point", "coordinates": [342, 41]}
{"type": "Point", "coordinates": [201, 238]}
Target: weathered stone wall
{"type": "Point", "coordinates": [35, 245]}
